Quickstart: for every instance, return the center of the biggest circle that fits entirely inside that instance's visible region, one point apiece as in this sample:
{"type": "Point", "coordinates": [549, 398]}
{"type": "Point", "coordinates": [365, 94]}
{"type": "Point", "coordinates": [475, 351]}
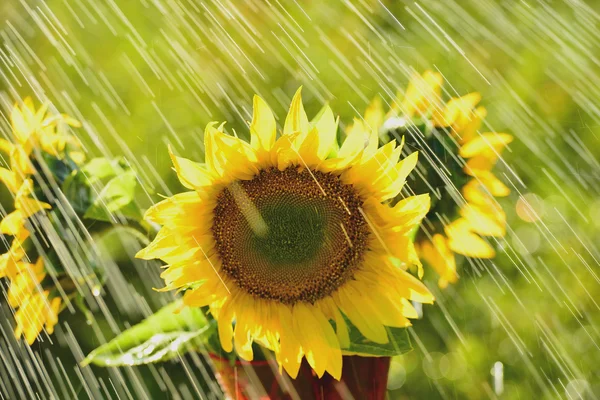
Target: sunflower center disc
{"type": "Point", "coordinates": [290, 235]}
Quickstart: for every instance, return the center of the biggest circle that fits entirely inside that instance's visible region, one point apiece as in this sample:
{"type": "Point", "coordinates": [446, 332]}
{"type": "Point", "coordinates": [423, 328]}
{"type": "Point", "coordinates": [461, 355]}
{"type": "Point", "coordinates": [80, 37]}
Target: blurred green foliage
{"type": "Point", "coordinates": [141, 74]}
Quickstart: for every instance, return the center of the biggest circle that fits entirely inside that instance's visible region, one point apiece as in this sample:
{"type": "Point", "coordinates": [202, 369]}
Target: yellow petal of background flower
{"type": "Point", "coordinates": [12, 223]}
{"type": "Point", "coordinates": [52, 314]}
{"type": "Point", "coordinates": [492, 184]}
{"type": "Point", "coordinates": [438, 255]}
{"type": "Point", "coordinates": [6, 146]}
{"type": "Point", "coordinates": [24, 284]}
{"type": "Point", "coordinates": [29, 206]}
{"type": "Point", "coordinates": [422, 92]}
{"type": "Point", "coordinates": [463, 241]}
{"type": "Point", "coordinates": [21, 127]}
{"type": "Point", "coordinates": [10, 179]}
{"type": "Point", "coordinates": [490, 143]}
{"type": "Point", "coordinates": [470, 129]}
{"type": "Point", "coordinates": [458, 111]}
{"type": "Point", "coordinates": [486, 222]}
{"type": "Point", "coordinates": [374, 114]}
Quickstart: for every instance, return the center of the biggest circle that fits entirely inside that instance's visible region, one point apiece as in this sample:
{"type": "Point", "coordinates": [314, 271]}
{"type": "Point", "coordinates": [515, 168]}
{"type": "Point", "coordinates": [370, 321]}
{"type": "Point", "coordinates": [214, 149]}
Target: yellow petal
{"type": "Point", "coordinates": [190, 272]}
{"type": "Point", "coordinates": [6, 146]}
{"type": "Point", "coordinates": [70, 121]}
{"type": "Point", "coordinates": [206, 294]}
{"type": "Point", "coordinates": [387, 311]}
{"type": "Point", "coordinates": [262, 129]}
{"type": "Point", "coordinates": [473, 193]}
{"type": "Point", "coordinates": [485, 221]}
{"type": "Point", "coordinates": [308, 153]}
{"type": "Point", "coordinates": [355, 141]}
{"type": "Point", "coordinates": [40, 113]}
{"type": "Point", "coordinates": [28, 108]}
{"type": "Point", "coordinates": [296, 120]}
{"type": "Point", "coordinates": [341, 329]}
{"type": "Point", "coordinates": [318, 340]}
{"type": "Point", "coordinates": [24, 284]}
{"type": "Point", "coordinates": [350, 151]}
{"type": "Point", "coordinates": [326, 125]}
{"type": "Point", "coordinates": [422, 92]}
{"type": "Point", "coordinates": [21, 128]}
{"type": "Point", "coordinates": [228, 157]}
{"type": "Point", "coordinates": [78, 157]}
{"type": "Point", "coordinates": [463, 241]}
{"type": "Point", "coordinates": [51, 143]}
{"type": "Point", "coordinates": [286, 151]}
{"type": "Point", "coordinates": [225, 327]}
{"type": "Point", "coordinates": [470, 130]}
{"type": "Point", "coordinates": [12, 223]}
{"type": "Point", "coordinates": [191, 174]}
{"type": "Point", "coordinates": [408, 286]}
{"type": "Point", "coordinates": [488, 180]}
{"type": "Point", "coordinates": [479, 163]}
{"type": "Point", "coordinates": [490, 143]}
{"type": "Point", "coordinates": [19, 160]}
{"type": "Point", "coordinates": [398, 176]}
{"type": "Point", "coordinates": [30, 317]}
{"type": "Point", "coordinates": [52, 314]}
{"type": "Point", "coordinates": [458, 112]}
{"type": "Point", "coordinates": [409, 212]}
{"type": "Point", "coordinates": [10, 265]}
{"type": "Point", "coordinates": [290, 355]}
{"type": "Point", "coordinates": [244, 324]}
{"type": "Point", "coordinates": [177, 208]}
{"type": "Point", "coordinates": [380, 175]}
{"type": "Point", "coordinates": [374, 114]}
{"type": "Point", "coordinates": [351, 302]}
{"type": "Point", "coordinates": [170, 243]}
{"type": "Point", "coordinates": [29, 206]}
{"type": "Point", "coordinates": [438, 255]}
{"type": "Point", "coordinates": [10, 179]}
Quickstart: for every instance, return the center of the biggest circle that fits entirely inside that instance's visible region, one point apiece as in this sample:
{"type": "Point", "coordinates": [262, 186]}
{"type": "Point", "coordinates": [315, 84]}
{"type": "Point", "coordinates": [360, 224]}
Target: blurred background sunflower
{"type": "Point", "coordinates": [143, 74]}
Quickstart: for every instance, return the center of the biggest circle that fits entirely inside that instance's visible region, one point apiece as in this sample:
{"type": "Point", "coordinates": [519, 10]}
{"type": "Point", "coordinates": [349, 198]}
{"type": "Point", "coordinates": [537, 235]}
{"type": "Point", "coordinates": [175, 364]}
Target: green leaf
{"type": "Point", "coordinates": [101, 168]}
{"type": "Point", "coordinates": [77, 192]}
{"type": "Point", "coordinates": [160, 337]}
{"type": "Point", "coordinates": [118, 196]}
{"type": "Point", "coordinates": [399, 343]}
{"type": "Point", "coordinates": [81, 186]}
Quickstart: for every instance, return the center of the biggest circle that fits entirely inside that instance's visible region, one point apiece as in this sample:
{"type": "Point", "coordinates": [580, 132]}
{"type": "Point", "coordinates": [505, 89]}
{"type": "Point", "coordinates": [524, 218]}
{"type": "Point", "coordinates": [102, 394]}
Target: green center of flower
{"type": "Point", "coordinates": [292, 235]}
{"type": "Point", "coordinates": [295, 232]}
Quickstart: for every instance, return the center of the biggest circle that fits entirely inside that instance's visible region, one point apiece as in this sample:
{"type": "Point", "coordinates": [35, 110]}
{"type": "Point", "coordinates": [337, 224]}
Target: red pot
{"type": "Point", "coordinates": [362, 378]}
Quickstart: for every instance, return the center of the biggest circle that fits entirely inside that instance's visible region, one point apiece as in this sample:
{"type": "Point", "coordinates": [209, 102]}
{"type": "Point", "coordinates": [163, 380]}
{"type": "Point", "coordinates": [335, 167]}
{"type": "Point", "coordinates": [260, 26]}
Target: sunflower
{"type": "Point", "coordinates": [34, 131]}
{"type": "Point", "coordinates": [457, 167]}
{"type": "Point", "coordinates": [290, 238]}
{"type": "Point", "coordinates": [33, 128]}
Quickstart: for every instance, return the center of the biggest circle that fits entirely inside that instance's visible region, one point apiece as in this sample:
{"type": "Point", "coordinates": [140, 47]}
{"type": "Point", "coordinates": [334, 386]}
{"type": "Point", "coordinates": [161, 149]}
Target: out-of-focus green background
{"type": "Point", "coordinates": [144, 73]}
